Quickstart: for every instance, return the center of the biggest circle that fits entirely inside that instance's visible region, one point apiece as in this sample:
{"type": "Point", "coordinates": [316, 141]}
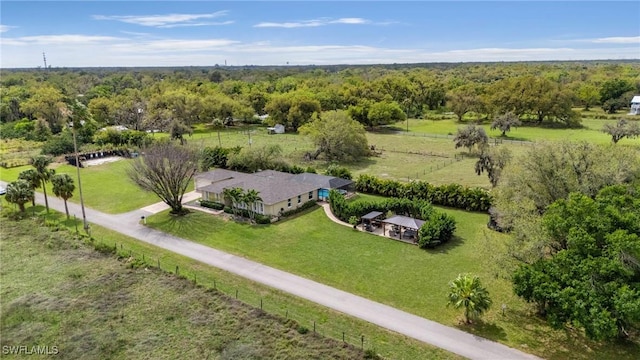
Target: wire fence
{"type": "Point", "coordinates": [494, 141]}
{"type": "Point", "coordinates": [304, 323]}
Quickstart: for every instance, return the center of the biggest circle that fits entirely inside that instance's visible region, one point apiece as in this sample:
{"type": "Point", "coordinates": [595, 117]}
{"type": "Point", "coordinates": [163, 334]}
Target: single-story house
{"type": "Point", "coordinates": [279, 191]}
{"type": "Point", "coordinates": [635, 105]}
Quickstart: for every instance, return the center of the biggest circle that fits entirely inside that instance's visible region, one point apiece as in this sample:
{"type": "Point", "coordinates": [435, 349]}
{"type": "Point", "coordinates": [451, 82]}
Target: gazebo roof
{"type": "Point", "coordinates": [372, 215]}
{"type": "Point", "coordinates": [405, 221]}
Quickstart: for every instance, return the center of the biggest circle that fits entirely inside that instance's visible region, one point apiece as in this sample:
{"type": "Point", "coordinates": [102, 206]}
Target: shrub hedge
{"type": "Point", "coordinates": [437, 229]}
{"type": "Point", "coordinates": [451, 195]}
{"type": "Point", "coordinates": [212, 205]}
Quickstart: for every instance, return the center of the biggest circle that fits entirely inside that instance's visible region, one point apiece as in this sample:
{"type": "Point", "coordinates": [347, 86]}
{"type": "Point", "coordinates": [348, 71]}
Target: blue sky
{"type": "Point", "coordinates": [205, 33]}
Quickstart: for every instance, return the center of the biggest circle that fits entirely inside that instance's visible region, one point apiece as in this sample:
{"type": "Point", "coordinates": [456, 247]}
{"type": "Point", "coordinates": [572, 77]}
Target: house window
{"type": "Point", "coordinates": [299, 199]}
{"type": "Point", "coordinates": [289, 202]}
{"type": "Point", "coordinates": [258, 207]}
{"type": "Point", "coordinates": [310, 195]}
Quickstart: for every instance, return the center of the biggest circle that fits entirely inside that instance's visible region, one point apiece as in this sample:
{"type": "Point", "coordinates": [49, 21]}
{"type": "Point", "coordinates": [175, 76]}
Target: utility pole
{"type": "Point", "coordinates": [75, 148]}
{"type": "Point", "coordinates": [44, 57]}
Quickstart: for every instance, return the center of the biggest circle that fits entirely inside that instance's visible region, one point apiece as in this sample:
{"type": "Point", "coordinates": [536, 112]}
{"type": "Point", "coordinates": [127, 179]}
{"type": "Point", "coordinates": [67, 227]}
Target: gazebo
{"type": "Point", "coordinates": [370, 217]}
{"type": "Point", "coordinates": [407, 226]}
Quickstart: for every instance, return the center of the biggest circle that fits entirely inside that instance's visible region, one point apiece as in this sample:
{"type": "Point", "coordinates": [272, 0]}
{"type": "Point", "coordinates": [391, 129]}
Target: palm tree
{"type": "Point", "coordinates": [467, 291]}
{"type": "Point", "coordinates": [233, 197]}
{"type": "Point", "coordinates": [250, 198]}
{"type": "Point", "coordinates": [19, 192]}
{"type": "Point", "coordinates": [31, 177]}
{"type": "Point", "coordinates": [41, 164]}
{"type": "Point", "coordinates": [63, 188]}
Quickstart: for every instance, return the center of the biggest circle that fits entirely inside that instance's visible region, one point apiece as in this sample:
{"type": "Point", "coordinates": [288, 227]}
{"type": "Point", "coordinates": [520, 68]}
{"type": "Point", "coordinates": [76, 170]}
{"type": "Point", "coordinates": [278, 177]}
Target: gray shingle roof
{"type": "Point", "coordinates": [322, 181]}
{"type": "Point", "coordinates": [273, 188]}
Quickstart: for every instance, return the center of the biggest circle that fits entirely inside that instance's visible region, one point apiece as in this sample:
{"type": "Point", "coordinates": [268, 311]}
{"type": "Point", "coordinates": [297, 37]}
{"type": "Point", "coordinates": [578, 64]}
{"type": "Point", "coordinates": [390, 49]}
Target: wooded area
{"type": "Point", "coordinates": [36, 104]}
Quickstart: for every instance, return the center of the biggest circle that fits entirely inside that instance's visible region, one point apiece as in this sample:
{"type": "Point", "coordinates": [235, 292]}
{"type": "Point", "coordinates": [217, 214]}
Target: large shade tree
{"type": "Point", "coordinates": [337, 136]}
{"type": "Point", "coordinates": [591, 278]}
{"type": "Point", "coordinates": [63, 187]}
{"type": "Point", "coordinates": [467, 292]}
{"type": "Point", "coordinates": [166, 170]}
{"type": "Point", "coordinates": [550, 172]}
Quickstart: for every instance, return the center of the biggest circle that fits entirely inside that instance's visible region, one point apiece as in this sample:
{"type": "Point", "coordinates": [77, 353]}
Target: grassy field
{"type": "Point", "coordinates": [328, 323]}
{"type": "Point", "coordinates": [91, 306]}
{"type": "Point", "coordinates": [590, 131]}
{"type": "Point", "coordinates": [105, 187]}
{"type": "Point", "coordinates": [394, 273]}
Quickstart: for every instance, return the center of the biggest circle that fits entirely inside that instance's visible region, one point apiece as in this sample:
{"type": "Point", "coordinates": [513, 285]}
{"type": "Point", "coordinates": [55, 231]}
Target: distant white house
{"type": "Point", "coordinates": [278, 129]}
{"type": "Point", "coordinates": [635, 105]}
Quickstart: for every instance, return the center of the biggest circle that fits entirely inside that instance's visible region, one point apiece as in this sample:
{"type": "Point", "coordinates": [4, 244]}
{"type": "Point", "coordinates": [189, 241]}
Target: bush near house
{"type": "Point", "coordinates": [211, 205]}
{"type": "Point", "coordinates": [451, 195]}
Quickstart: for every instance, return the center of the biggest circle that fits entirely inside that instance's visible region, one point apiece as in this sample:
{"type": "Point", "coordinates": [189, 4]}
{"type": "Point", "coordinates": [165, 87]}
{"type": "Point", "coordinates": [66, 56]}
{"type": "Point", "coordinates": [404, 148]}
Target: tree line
{"type": "Point", "coordinates": [155, 99]}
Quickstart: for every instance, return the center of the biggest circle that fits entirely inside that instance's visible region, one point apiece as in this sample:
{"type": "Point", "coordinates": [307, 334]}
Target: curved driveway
{"type": "Point", "coordinates": [430, 332]}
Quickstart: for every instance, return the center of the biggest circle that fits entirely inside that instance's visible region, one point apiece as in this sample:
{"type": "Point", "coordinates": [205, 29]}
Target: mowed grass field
{"type": "Point", "coordinates": [60, 293]}
{"type": "Point", "coordinates": [394, 273]}
{"type": "Point", "coordinates": [105, 187]}
{"type": "Point", "coordinates": [328, 323]}
{"type": "Point", "coordinates": [591, 129]}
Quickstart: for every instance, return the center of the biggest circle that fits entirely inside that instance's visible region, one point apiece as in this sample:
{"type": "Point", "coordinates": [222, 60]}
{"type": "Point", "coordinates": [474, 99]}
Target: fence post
{"type": "Point", "coordinates": [314, 326]}
{"type": "Point", "coordinates": [158, 263]}
{"type": "Point", "coordinates": [286, 314]}
{"type": "Point", "coordinates": [195, 278]}
{"type": "Point", "coordinates": [343, 336]}
{"type": "Point", "coordinates": [362, 342]}
{"type": "Point", "coordinates": [260, 303]}
{"type": "Point", "coordinates": [236, 293]}
{"type": "Point", "coordinates": [214, 284]}
{"type": "Point", "coordinates": [143, 259]}
{"type": "Point", "coordinates": [177, 269]}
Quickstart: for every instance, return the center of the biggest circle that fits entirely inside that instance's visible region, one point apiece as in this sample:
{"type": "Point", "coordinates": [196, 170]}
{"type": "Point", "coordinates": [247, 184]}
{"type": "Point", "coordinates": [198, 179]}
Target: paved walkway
{"type": "Point", "coordinates": [450, 339]}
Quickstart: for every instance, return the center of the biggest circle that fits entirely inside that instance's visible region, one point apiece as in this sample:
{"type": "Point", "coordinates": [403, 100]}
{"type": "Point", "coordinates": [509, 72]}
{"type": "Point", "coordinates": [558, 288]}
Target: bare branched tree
{"type": "Point", "coordinates": [165, 169]}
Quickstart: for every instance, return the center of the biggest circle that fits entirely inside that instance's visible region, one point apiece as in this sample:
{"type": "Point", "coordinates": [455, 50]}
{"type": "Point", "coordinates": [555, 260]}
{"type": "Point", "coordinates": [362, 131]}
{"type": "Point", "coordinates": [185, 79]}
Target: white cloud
{"type": "Point", "coordinates": [5, 28]}
{"type": "Point", "coordinates": [197, 24]}
{"type": "Point", "coordinates": [68, 39]}
{"type": "Point", "coordinates": [617, 40]}
{"type": "Point", "coordinates": [168, 20]}
{"type": "Point", "coordinates": [171, 46]}
{"type": "Point", "coordinates": [313, 23]}
{"type": "Point", "coordinates": [139, 49]}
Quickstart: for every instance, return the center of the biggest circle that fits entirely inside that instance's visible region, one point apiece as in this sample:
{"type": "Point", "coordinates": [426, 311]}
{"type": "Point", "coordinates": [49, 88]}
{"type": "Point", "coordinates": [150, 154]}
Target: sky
{"type": "Point", "coordinates": [206, 33]}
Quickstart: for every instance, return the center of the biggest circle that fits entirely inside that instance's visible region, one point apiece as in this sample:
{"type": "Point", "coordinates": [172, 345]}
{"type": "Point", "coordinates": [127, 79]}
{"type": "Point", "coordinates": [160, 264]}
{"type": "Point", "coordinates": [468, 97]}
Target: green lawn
{"type": "Point", "coordinates": [329, 323]}
{"type": "Point", "coordinates": [393, 273]}
{"type": "Point", "coordinates": [105, 187]}
{"type": "Point", "coordinates": [591, 131]}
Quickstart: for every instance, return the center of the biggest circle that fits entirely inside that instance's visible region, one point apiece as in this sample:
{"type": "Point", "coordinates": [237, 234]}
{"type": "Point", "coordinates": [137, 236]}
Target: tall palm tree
{"type": "Point", "coordinates": [250, 198]}
{"type": "Point", "coordinates": [19, 192]}
{"type": "Point", "coordinates": [63, 188]}
{"type": "Point", "coordinates": [41, 164]}
{"type": "Point", "coordinates": [467, 291]}
{"type": "Point", "coordinates": [31, 177]}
